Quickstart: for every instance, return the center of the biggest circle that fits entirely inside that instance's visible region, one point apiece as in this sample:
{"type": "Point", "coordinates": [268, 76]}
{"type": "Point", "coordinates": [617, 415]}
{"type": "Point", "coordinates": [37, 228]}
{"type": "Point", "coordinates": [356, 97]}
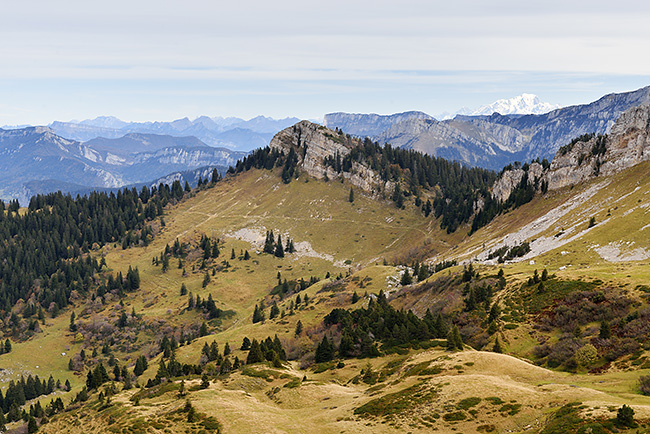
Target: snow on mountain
{"type": "Point", "coordinates": [524, 104]}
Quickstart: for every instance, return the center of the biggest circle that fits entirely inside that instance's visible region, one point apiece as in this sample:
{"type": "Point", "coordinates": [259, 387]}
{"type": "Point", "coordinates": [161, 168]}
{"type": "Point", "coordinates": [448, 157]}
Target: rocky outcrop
{"type": "Point", "coordinates": [627, 145]}
{"type": "Point", "coordinates": [313, 144]}
{"type": "Point", "coordinates": [510, 179]}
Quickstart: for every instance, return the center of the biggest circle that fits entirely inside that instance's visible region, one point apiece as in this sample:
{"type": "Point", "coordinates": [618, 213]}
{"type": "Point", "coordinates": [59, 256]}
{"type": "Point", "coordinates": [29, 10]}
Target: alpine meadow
{"type": "Point", "coordinates": [324, 218]}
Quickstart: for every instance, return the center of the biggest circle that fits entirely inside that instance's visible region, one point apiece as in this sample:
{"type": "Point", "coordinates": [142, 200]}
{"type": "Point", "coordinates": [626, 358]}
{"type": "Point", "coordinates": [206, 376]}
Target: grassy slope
{"type": "Point", "coordinates": [366, 231]}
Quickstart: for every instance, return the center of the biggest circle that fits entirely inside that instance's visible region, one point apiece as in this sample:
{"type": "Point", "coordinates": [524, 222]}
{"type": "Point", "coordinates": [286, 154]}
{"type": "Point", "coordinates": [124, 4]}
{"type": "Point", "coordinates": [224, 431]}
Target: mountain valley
{"type": "Point", "coordinates": [327, 283]}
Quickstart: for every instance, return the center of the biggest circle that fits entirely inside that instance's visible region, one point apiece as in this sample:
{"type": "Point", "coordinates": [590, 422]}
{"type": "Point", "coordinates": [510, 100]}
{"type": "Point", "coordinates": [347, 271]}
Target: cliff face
{"type": "Point", "coordinates": [511, 178]}
{"type": "Point", "coordinates": [369, 125]}
{"type": "Point", "coordinates": [314, 143]}
{"type": "Point", "coordinates": [627, 145]}
{"type": "Point", "coordinates": [449, 139]}
{"type": "Point", "coordinates": [495, 140]}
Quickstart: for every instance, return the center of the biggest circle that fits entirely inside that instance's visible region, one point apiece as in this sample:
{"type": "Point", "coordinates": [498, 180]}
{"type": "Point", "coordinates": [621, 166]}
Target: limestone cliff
{"type": "Point", "coordinates": [314, 143]}
{"type": "Point", "coordinates": [591, 156]}
{"type": "Point", "coordinates": [510, 179]}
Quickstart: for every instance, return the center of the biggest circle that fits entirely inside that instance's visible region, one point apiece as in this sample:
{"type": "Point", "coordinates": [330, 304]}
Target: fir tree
{"type": "Point", "coordinates": [206, 279]}
{"type": "Point", "coordinates": [605, 330]}
{"type": "Point", "coordinates": [73, 326]}
{"type": "Point", "coordinates": [255, 354]}
{"type": "Point", "coordinates": [406, 278]}
{"type": "Point", "coordinates": [497, 346]}
{"type": "Point", "coordinates": [279, 250]}
{"type": "Point", "coordinates": [32, 426]}
{"type": "Point", "coordinates": [269, 244]}
{"type": "Point", "coordinates": [275, 311]}
{"type": "Point", "coordinates": [324, 351]}
{"type": "Point", "coordinates": [298, 331]}
{"type": "Point", "coordinates": [204, 330]}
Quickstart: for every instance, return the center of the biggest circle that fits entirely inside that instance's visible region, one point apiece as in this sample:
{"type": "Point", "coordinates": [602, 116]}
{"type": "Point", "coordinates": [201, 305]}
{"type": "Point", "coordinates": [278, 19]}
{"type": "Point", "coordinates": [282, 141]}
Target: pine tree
{"type": "Point", "coordinates": [205, 382]}
{"type": "Point", "coordinates": [165, 263]}
{"type": "Point", "coordinates": [247, 256]}
{"type": "Point", "coordinates": [605, 330]}
{"type": "Point", "coordinates": [183, 290]}
{"type": "Point", "coordinates": [454, 341]}
{"type": "Point", "coordinates": [298, 331]}
{"type": "Point", "coordinates": [625, 417]}
{"type": "Point", "coordinates": [279, 250]}
{"type": "Point", "coordinates": [497, 346]}
{"type": "Point", "coordinates": [324, 351]}
{"type": "Point", "coordinates": [32, 426]}
{"type": "Point", "coordinates": [246, 344]}
{"type": "Point", "coordinates": [206, 280]}
{"type": "Point", "coordinates": [406, 278]}
{"type": "Point", "coordinates": [121, 323]}
{"type": "Point", "coordinates": [73, 326]}
{"type": "Point", "coordinates": [204, 330]}
{"type": "Point", "coordinates": [255, 354]}
{"type": "Point", "coordinates": [275, 311]}
{"type": "Point", "coordinates": [232, 254]}
{"type": "Point", "coordinates": [269, 244]}
{"type": "Point", "coordinates": [351, 196]}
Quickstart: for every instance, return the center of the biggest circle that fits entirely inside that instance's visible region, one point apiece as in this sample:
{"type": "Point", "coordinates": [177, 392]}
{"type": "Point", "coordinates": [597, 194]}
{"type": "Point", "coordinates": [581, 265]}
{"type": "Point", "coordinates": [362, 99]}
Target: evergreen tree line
{"type": "Point", "coordinates": [285, 288]}
{"type": "Point", "coordinates": [48, 243]}
{"type": "Point", "coordinates": [267, 350]}
{"type": "Point", "coordinates": [18, 392]}
{"type": "Point", "coordinates": [459, 186]}
{"type": "Point", "coordinates": [362, 328]}
{"type": "Point", "coordinates": [208, 306]}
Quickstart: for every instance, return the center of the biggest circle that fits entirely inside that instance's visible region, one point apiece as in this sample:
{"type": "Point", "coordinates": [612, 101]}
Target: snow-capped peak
{"type": "Point", "coordinates": [524, 104]}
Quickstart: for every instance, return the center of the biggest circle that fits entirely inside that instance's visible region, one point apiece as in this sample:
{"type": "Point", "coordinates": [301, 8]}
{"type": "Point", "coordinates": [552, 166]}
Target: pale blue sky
{"type": "Point", "coordinates": [162, 60]}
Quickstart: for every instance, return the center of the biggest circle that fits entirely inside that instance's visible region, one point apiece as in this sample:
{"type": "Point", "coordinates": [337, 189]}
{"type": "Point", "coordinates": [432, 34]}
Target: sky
{"type": "Point", "coordinates": [143, 60]}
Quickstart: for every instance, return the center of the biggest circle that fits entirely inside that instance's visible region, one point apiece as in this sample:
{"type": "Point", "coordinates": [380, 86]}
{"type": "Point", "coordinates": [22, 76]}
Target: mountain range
{"type": "Point", "coordinates": [35, 160]}
{"type": "Point", "coordinates": [230, 132]}
{"type": "Point", "coordinates": [495, 140]}
{"type": "Point", "coordinates": [524, 104]}
{"type": "Point", "coordinates": [414, 294]}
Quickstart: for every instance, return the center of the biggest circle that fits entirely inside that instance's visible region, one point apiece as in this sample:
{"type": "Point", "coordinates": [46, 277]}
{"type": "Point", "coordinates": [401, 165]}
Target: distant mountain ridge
{"type": "Point", "coordinates": [362, 125]}
{"type": "Point", "coordinates": [38, 154]}
{"type": "Point", "coordinates": [524, 104]}
{"type": "Point", "coordinates": [496, 140]}
{"type": "Point", "coordinates": [230, 132]}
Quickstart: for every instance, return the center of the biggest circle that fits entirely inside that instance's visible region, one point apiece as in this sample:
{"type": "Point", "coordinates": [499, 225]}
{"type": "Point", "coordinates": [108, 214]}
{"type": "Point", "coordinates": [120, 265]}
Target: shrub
{"type": "Point", "coordinates": [625, 417]}
{"type": "Point", "coordinates": [456, 415]}
{"type": "Point", "coordinates": [644, 384]}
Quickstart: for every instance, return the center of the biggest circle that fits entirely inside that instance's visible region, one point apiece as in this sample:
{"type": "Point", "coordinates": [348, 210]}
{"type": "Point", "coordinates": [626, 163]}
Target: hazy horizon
{"type": "Point", "coordinates": [148, 61]}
